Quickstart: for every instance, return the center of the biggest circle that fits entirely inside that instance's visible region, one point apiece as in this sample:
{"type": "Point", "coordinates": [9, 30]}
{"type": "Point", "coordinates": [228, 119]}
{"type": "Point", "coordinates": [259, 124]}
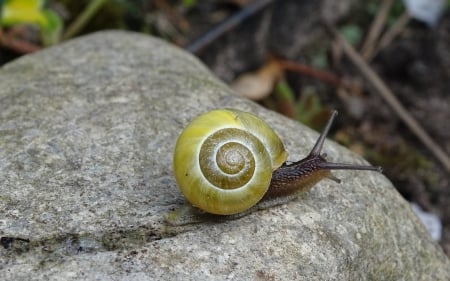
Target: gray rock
{"type": "Point", "coordinates": [87, 131]}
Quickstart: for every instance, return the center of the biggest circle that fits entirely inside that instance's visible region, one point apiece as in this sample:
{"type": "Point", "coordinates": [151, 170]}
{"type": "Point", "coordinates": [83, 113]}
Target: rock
{"type": "Point", "coordinates": [87, 131]}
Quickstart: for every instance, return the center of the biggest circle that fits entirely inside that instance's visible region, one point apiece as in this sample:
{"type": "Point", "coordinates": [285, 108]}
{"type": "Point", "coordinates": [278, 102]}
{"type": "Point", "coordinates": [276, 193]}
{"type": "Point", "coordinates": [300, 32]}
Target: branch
{"type": "Point", "coordinates": [382, 89]}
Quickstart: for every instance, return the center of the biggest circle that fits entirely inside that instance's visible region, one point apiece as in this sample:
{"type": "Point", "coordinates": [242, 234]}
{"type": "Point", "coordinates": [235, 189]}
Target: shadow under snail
{"type": "Point", "coordinates": [227, 162]}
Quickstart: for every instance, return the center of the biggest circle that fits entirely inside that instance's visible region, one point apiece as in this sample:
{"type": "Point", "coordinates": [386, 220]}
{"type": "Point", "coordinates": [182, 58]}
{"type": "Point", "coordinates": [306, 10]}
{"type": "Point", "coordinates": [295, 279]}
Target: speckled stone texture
{"type": "Point", "coordinates": [87, 131]}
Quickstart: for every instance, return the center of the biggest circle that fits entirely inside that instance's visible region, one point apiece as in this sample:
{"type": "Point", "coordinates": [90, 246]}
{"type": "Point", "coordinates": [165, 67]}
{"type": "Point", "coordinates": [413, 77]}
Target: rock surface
{"type": "Point", "coordinates": [87, 131]}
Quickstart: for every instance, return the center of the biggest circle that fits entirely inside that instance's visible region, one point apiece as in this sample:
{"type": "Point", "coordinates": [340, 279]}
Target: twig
{"type": "Point", "coordinates": [322, 75]}
{"type": "Point", "coordinates": [11, 42]}
{"type": "Point", "coordinates": [204, 40]}
{"type": "Point", "coordinates": [391, 100]}
{"type": "Point", "coordinates": [375, 29]}
{"type": "Point", "coordinates": [392, 33]}
{"type": "Point", "coordinates": [83, 18]}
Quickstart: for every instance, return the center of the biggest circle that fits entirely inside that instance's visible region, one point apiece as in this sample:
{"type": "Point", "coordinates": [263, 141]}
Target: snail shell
{"type": "Point", "coordinates": [224, 160]}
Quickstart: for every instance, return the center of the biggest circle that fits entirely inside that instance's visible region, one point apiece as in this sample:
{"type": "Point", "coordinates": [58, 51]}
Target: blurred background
{"type": "Point", "coordinates": [383, 64]}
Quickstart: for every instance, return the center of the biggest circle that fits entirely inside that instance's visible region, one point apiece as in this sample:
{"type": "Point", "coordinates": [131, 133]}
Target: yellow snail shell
{"type": "Point", "coordinates": [224, 160]}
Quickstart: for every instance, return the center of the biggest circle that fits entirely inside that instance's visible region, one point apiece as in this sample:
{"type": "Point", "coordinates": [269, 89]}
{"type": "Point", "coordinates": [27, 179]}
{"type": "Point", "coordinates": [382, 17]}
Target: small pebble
{"type": "Point", "coordinates": [431, 221]}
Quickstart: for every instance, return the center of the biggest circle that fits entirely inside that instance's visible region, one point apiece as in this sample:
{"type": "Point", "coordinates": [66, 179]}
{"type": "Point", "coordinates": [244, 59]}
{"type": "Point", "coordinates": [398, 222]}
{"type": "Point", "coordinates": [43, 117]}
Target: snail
{"type": "Point", "coordinates": [227, 161]}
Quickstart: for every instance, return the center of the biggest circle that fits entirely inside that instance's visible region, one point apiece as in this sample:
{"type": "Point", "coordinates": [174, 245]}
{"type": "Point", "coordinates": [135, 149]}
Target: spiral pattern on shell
{"type": "Point", "coordinates": [224, 159]}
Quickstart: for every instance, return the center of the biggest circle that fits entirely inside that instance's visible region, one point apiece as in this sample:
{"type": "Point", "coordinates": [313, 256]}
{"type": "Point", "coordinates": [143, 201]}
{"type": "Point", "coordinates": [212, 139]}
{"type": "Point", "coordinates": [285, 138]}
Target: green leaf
{"type": "Point", "coordinates": [52, 28]}
{"type": "Point", "coordinates": [284, 91]}
{"type": "Point", "coordinates": [189, 3]}
{"type": "Point", "coordinates": [310, 110]}
{"type": "Point", "coordinates": [352, 33]}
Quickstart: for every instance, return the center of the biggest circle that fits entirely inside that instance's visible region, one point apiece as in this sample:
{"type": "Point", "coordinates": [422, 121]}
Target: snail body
{"type": "Point", "coordinates": [226, 161]}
